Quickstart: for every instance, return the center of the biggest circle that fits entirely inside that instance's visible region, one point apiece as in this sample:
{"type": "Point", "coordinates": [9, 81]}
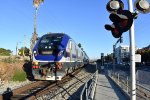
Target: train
{"type": "Point", "coordinates": [55, 55]}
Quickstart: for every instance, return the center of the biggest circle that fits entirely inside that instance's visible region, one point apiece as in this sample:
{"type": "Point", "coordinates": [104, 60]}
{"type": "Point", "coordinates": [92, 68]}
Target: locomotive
{"type": "Point", "coordinates": [56, 55]}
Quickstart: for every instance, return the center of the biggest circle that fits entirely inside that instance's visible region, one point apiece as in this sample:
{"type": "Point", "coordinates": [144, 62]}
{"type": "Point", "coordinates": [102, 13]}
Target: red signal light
{"type": "Point", "coordinates": [122, 21]}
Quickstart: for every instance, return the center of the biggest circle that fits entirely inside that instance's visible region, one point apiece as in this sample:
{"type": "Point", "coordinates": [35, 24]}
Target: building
{"type": "Point", "coordinates": [122, 54]}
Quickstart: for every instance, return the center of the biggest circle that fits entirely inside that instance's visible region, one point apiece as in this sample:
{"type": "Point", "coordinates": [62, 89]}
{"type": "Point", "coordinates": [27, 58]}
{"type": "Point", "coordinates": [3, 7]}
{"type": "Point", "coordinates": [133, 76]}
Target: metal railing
{"type": "Point", "coordinates": [143, 93]}
{"type": "Point", "coordinates": [89, 88]}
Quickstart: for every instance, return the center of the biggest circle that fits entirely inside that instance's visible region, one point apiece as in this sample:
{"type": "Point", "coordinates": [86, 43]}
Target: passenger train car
{"type": "Point", "coordinates": [55, 55]}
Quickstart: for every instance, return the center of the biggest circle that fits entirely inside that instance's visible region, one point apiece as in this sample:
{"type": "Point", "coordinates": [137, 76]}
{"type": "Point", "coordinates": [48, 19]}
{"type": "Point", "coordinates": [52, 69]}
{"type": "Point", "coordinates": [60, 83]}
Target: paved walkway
{"type": "Point", "coordinates": [106, 90]}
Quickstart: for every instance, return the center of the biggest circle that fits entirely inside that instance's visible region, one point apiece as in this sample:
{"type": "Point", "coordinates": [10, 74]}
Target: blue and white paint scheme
{"type": "Point", "coordinates": [55, 55]}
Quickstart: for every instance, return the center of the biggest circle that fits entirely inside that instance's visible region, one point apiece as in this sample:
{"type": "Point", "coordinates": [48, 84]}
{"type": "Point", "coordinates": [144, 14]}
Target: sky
{"type": "Point", "coordinates": [83, 20]}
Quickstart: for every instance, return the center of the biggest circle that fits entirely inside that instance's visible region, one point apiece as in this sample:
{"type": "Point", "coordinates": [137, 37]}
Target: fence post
{"type": "Point", "coordinates": [113, 76]}
{"type": "Point", "coordinates": [118, 78]}
{"type": "Point", "coordinates": [86, 91]}
{"type": "Point", "coordinates": [127, 84]}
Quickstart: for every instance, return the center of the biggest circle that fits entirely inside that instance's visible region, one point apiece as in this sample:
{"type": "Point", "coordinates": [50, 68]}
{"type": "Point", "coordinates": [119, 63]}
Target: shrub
{"type": "Point", "coordinates": [19, 76]}
{"type": "Point", "coordinates": [5, 52]}
{"type": "Point", "coordinates": [9, 60]}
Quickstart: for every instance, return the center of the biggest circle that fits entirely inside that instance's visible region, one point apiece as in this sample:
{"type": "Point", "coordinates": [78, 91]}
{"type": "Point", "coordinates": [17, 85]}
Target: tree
{"type": "Point", "coordinates": [26, 51]}
{"type": "Point", "coordinates": [109, 58]}
{"type": "Point", "coordinates": [37, 3]}
{"type": "Point", "coordinates": [126, 59]}
{"type": "Point", "coordinates": [5, 52]}
{"type": "Point", "coordinates": [145, 54]}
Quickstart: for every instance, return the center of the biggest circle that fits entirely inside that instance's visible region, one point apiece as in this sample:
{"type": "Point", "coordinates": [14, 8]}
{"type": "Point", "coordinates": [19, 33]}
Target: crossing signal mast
{"type": "Point", "coordinates": [122, 22]}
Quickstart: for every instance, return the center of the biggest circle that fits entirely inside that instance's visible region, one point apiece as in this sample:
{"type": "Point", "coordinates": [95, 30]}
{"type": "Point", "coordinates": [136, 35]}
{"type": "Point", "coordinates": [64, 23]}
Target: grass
{"type": "Point", "coordinates": [9, 60]}
{"type": "Point", "coordinates": [19, 76]}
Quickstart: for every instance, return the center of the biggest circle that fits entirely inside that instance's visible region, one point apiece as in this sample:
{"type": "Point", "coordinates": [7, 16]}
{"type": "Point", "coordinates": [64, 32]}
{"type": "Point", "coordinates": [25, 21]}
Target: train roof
{"type": "Point", "coordinates": [57, 34]}
{"type": "Point", "coordinates": [51, 34]}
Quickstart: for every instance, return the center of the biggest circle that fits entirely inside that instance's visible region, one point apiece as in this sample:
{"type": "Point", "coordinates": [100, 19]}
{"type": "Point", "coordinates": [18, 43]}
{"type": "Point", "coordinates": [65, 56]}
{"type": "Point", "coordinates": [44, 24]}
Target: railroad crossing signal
{"type": "Point", "coordinates": [122, 21]}
{"type": "Point", "coordinates": [19, 53]}
{"type": "Point", "coordinates": [143, 6]}
{"type": "Point", "coordinates": [114, 5]}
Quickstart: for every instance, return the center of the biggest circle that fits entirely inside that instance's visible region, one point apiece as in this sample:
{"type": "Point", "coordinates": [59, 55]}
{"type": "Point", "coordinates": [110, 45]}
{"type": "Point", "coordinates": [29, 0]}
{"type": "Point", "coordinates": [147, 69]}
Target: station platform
{"type": "Point", "coordinates": [107, 90]}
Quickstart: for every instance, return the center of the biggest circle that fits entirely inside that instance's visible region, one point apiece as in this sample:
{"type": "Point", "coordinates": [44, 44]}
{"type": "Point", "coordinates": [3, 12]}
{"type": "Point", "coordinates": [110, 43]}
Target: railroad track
{"type": "Point", "coordinates": [143, 94]}
{"type": "Point", "coordinates": [36, 89]}
{"type": "Point", "coordinates": [70, 90]}
{"type": "Point", "coordinates": [25, 91]}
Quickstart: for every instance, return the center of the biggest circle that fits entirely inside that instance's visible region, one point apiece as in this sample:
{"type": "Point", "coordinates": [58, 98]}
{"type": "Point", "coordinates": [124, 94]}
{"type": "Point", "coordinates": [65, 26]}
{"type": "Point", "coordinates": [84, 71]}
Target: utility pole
{"type": "Point", "coordinates": [17, 49]}
{"type": "Point", "coordinates": [114, 68]}
{"type": "Point", "coordinates": [24, 45]}
{"type": "Point", "coordinates": [102, 62]}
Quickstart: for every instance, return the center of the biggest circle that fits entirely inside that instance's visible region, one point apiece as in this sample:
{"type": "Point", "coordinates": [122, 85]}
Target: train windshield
{"type": "Point", "coordinates": [49, 44]}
